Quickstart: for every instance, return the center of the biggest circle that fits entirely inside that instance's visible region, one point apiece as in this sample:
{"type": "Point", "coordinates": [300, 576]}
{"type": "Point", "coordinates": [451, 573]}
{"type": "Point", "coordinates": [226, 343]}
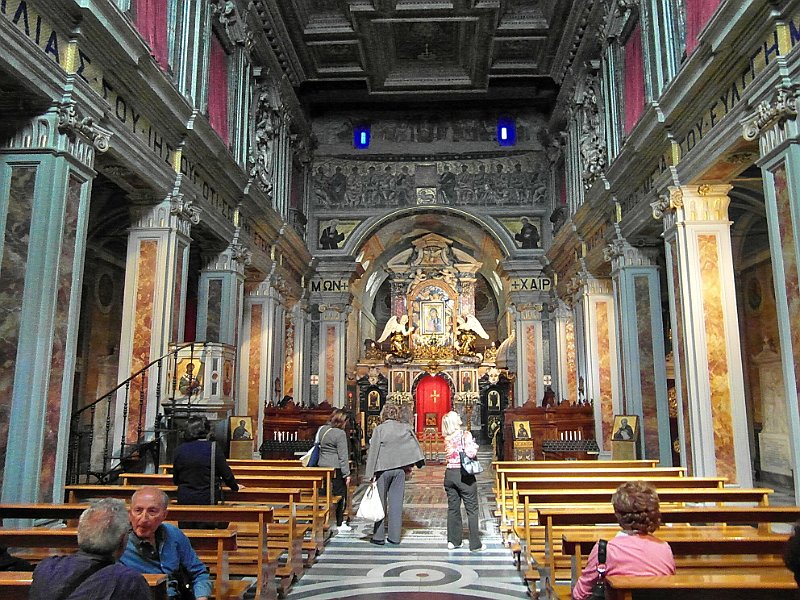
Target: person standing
{"type": "Point", "coordinates": [92, 573]}
{"type": "Point", "coordinates": [333, 452]}
{"type": "Point", "coordinates": [393, 452]}
{"type": "Point", "coordinates": [191, 469]}
{"type": "Point", "coordinates": [459, 486]}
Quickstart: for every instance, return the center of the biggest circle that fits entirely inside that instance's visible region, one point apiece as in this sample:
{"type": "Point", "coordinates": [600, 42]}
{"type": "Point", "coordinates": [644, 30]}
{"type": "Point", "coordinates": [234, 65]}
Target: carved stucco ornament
{"type": "Point", "coordinates": [261, 154]}
{"type": "Point", "coordinates": [667, 202]}
{"type": "Point", "coordinates": [591, 145]}
{"type": "Point", "coordinates": [241, 254]}
{"type": "Point", "coordinates": [184, 209]}
{"type": "Point", "coordinates": [70, 123]}
{"type": "Point", "coordinates": [782, 107]}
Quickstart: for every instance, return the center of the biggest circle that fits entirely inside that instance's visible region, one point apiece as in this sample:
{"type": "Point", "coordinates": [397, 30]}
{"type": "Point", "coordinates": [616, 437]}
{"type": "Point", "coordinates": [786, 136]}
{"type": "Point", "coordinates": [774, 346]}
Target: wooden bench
{"type": "Point", "coordinates": [286, 535]}
{"type": "Point", "coordinates": [252, 544]}
{"type": "Point", "coordinates": [761, 584]}
{"type": "Point", "coordinates": [309, 481]}
{"type": "Point", "coordinates": [15, 585]}
{"type": "Point", "coordinates": [221, 542]}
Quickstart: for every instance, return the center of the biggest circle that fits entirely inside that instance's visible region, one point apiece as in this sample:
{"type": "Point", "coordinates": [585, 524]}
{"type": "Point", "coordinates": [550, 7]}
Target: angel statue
{"type": "Point", "coordinates": [397, 331]}
{"type": "Point", "coordinates": [468, 330]}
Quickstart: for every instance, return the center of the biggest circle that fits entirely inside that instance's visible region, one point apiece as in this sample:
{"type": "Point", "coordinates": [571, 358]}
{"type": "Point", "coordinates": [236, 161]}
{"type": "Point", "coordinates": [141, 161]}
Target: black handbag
{"type": "Point", "coordinates": [183, 584]}
{"type": "Point", "coordinates": [599, 587]}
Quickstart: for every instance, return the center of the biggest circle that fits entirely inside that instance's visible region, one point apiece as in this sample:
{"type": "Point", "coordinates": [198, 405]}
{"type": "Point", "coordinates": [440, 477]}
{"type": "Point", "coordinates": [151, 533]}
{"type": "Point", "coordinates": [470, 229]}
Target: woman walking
{"type": "Point", "coordinates": [333, 452]}
{"type": "Point", "coordinates": [459, 486]}
{"type": "Point", "coordinates": [393, 452]}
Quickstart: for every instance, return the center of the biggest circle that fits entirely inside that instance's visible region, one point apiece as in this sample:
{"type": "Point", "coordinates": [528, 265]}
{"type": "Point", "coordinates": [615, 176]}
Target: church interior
{"type": "Point", "coordinates": [569, 221]}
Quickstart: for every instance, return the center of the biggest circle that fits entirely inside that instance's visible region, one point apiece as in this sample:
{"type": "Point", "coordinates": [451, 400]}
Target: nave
{"type": "Point", "coordinates": [353, 568]}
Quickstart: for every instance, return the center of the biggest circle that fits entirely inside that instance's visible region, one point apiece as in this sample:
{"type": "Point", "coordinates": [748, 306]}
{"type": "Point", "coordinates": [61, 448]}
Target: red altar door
{"type": "Point", "coordinates": [433, 401]}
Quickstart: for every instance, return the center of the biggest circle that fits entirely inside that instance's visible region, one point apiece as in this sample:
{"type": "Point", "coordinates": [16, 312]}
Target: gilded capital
{"type": "Point", "coordinates": [783, 106]}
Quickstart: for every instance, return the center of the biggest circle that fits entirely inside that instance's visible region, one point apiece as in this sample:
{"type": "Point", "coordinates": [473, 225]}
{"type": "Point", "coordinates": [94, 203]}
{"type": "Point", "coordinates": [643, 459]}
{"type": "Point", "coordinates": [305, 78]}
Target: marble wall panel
{"type": "Point", "coordinates": [176, 299]}
{"type": "Point", "coordinates": [147, 271]}
{"type": "Point", "coordinates": [330, 362]}
{"type": "Point", "coordinates": [530, 348]}
{"type": "Point", "coordinates": [55, 399]}
{"type": "Point", "coordinates": [288, 364]}
{"type": "Point", "coordinates": [12, 268]}
{"type": "Point", "coordinates": [644, 312]}
{"type": "Point", "coordinates": [572, 363]}
{"type": "Point", "coordinates": [254, 356]}
{"type": "Point", "coordinates": [679, 343]}
{"type": "Point", "coordinates": [717, 354]}
{"type": "Point", "coordinates": [214, 313]}
{"type": "Point", "coordinates": [604, 341]}
{"type": "Point", "coordinates": [791, 283]}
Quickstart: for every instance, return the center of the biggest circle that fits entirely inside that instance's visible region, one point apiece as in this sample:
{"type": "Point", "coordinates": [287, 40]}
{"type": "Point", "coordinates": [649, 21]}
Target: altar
{"type": "Point", "coordinates": [433, 354]}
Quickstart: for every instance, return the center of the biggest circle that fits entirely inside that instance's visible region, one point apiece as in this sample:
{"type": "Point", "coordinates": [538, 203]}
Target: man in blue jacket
{"type": "Point", "coordinates": [158, 547]}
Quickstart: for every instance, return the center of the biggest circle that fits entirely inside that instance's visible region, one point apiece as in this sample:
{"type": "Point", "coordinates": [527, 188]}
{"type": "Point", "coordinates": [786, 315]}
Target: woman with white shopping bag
{"type": "Point", "coordinates": [393, 452]}
{"type": "Point", "coordinates": [460, 485]}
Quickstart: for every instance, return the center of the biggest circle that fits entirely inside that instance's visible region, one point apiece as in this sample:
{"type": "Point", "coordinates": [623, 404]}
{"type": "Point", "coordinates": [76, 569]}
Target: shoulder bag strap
{"type": "Point", "coordinates": [81, 577]}
{"type": "Point", "coordinates": [213, 485]}
{"type": "Point", "coordinates": [601, 557]}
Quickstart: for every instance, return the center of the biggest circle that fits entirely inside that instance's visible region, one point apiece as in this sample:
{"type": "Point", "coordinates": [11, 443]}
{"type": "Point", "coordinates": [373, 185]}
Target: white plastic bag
{"type": "Point", "coordinates": [371, 507]}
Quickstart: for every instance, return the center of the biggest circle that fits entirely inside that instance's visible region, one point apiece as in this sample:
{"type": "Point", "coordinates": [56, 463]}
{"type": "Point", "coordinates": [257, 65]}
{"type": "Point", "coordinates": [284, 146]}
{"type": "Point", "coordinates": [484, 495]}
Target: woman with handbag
{"type": "Point", "coordinates": [460, 485]}
{"type": "Point", "coordinates": [634, 550]}
{"type": "Point", "coordinates": [333, 452]}
{"type": "Point", "coordinates": [197, 468]}
{"type": "Point", "coordinates": [393, 452]}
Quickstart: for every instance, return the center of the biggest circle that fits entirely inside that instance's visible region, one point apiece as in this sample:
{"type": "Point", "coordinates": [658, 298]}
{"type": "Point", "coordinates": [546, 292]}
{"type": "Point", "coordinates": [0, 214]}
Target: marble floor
{"type": "Point", "coordinates": [421, 566]}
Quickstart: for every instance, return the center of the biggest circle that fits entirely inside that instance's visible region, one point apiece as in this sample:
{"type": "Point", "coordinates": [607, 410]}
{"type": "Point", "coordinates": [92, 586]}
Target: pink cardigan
{"type": "Point", "coordinates": [627, 555]}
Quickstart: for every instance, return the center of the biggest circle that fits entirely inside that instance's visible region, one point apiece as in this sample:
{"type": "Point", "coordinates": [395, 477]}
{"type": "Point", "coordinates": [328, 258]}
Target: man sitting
{"type": "Point", "coordinates": [158, 547]}
{"type": "Point", "coordinates": [92, 573]}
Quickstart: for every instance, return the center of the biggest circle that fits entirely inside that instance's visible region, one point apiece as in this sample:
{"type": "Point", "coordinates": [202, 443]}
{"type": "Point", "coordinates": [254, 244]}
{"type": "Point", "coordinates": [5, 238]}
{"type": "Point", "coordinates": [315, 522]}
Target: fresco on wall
{"type": "Point", "coordinates": [521, 180]}
{"type": "Point", "coordinates": [525, 231]}
{"type": "Point", "coordinates": [334, 232]}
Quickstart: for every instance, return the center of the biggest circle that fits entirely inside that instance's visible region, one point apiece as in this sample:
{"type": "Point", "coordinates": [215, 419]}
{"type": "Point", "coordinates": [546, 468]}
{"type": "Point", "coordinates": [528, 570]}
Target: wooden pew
{"type": "Point", "coordinates": [287, 535]}
{"type": "Point", "coordinates": [219, 541]}
{"type": "Point", "coordinates": [15, 585]}
{"type": "Point", "coordinates": [255, 517]}
{"type": "Point", "coordinates": [310, 481]}
{"type": "Point", "coordinates": [167, 467]}
{"type": "Point", "coordinates": [762, 584]}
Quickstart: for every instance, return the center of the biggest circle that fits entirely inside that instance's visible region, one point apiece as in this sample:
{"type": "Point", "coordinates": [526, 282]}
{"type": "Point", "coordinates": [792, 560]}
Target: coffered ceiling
{"type": "Point", "coordinates": [350, 51]}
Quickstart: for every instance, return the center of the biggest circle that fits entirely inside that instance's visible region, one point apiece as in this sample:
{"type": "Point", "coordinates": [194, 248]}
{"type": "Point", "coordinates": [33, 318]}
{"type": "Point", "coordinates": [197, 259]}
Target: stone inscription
{"type": "Point", "coordinates": [535, 284]}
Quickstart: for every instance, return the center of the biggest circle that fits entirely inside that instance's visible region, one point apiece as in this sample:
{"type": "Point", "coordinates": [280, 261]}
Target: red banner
{"type": "Point", "coordinates": [433, 401]}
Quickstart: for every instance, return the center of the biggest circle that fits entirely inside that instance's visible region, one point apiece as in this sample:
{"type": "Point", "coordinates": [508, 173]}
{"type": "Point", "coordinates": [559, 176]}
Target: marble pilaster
{"type": "Point", "coordinates": [705, 320]}
{"type": "Point", "coordinates": [637, 290]}
{"type": "Point", "coordinates": [332, 337]}
{"type": "Point", "coordinates": [46, 173]}
{"type": "Point", "coordinates": [220, 293]}
{"type": "Point", "coordinates": [530, 365]}
{"type": "Point", "coordinates": [566, 378]}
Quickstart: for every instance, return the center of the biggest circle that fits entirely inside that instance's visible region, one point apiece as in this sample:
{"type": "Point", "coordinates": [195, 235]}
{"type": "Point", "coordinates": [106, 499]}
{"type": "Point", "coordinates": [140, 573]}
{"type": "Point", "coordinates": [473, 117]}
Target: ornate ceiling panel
{"type": "Point", "coordinates": [407, 48]}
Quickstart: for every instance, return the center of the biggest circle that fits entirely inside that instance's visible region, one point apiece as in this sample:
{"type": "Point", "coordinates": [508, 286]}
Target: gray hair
{"type": "Point", "coordinates": [151, 489]}
{"type": "Point", "coordinates": [390, 411]}
{"type": "Point", "coordinates": [102, 526]}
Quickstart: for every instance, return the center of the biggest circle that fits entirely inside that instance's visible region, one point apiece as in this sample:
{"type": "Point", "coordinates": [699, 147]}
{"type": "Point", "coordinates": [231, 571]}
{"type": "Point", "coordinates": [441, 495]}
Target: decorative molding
{"type": "Point", "coordinates": [71, 124]}
{"type": "Point", "coordinates": [261, 156]}
{"type": "Point", "coordinates": [183, 209]}
{"type": "Point", "coordinates": [782, 107]}
{"type": "Point", "coordinates": [592, 148]}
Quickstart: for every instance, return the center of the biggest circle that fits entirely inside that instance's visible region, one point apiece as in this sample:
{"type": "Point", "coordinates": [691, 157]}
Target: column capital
{"type": "Point", "coordinates": [620, 253]}
{"type": "Point", "coordinates": [70, 123]}
{"type": "Point", "coordinates": [781, 107]}
{"type": "Point", "coordinates": [704, 202]}
{"type": "Point", "coordinates": [335, 312]}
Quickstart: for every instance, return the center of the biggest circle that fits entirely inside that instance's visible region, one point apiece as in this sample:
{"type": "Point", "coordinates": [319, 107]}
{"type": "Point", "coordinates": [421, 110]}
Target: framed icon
{"type": "Point", "coordinates": [431, 419]}
{"type": "Point", "coordinates": [399, 381]}
{"type": "Point", "coordinates": [466, 381]}
{"type": "Point", "coordinates": [522, 430]}
{"type": "Point", "coordinates": [241, 428]}
{"type": "Point", "coordinates": [432, 316]}
{"type": "Point", "coordinates": [626, 428]}
{"type": "Point", "coordinates": [374, 400]}
{"type": "Point", "coordinates": [493, 400]}
{"type": "Point", "coordinates": [372, 422]}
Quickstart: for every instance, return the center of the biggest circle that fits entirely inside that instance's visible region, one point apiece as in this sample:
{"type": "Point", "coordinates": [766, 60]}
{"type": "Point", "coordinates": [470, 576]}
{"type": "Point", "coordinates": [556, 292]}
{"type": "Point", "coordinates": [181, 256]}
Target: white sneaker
{"type": "Point", "coordinates": [452, 546]}
{"type": "Point", "coordinates": [345, 527]}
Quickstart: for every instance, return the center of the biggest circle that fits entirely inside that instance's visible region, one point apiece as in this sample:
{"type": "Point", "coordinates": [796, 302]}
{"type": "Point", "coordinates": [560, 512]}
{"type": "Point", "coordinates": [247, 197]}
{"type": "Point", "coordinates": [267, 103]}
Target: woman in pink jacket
{"type": "Point", "coordinates": [634, 550]}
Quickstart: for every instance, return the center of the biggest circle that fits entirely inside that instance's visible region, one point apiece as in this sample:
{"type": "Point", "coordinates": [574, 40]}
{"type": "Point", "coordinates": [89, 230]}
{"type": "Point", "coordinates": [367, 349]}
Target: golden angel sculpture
{"type": "Point", "coordinates": [397, 330]}
{"type": "Point", "coordinates": [468, 330]}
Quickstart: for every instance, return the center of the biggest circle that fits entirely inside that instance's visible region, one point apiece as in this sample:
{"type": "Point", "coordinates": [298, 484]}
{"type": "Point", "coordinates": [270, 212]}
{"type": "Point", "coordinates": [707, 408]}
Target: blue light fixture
{"type": "Point", "coordinates": [361, 137]}
{"type": "Point", "coordinates": [506, 131]}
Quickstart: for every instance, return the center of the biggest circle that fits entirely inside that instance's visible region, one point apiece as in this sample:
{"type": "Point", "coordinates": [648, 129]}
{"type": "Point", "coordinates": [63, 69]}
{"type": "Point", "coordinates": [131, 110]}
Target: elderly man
{"type": "Point", "coordinates": [158, 547]}
{"type": "Point", "coordinates": [92, 573]}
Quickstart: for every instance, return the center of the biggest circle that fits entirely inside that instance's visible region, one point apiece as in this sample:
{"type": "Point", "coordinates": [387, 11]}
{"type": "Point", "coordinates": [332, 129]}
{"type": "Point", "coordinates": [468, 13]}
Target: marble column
{"type": "Point", "coordinates": [261, 354]}
{"type": "Point", "coordinates": [775, 126]}
{"type": "Point", "coordinates": [598, 362]}
{"type": "Point", "coordinates": [566, 376]}
{"type": "Point", "coordinates": [154, 303]}
{"type": "Point", "coordinates": [46, 173]}
{"type": "Point", "coordinates": [301, 320]}
{"type": "Point", "coordinates": [637, 291]}
{"type": "Point", "coordinates": [332, 337]}
{"type": "Point", "coordinates": [220, 291]}
{"type": "Point", "coordinates": [708, 360]}
{"type": "Point", "coordinates": [530, 360]}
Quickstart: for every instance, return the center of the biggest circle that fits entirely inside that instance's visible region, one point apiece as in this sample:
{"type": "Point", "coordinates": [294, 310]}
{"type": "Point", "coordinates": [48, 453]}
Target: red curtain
{"type": "Point", "coordinates": [634, 79]}
{"type": "Point", "coordinates": [433, 397]}
{"type": "Point", "coordinates": [151, 21]}
{"type": "Point", "coordinates": [698, 12]}
{"type": "Point", "coordinates": [218, 89]}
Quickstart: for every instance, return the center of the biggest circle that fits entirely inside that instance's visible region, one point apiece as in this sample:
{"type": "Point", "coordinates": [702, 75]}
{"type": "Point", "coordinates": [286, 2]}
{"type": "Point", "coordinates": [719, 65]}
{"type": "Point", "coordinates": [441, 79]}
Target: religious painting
{"type": "Point", "coordinates": [431, 420]}
{"type": "Point", "coordinates": [493, 400]}
{"type": "Point", "coordinates": [190, 374]}
{"type": "Point", "coordinates": [466, 381]}
{"type": "Point", "coordinates": [241, 428]}
{"type": "Point", "coordinates": [334, 233]}
{"type": "Point", "coordinates": [372, 422]}
{"type": "Point", "coordinates": [432, 317]}
{"type": "Point", "coordinates": [374, 400]}
{"type": "Point", "coordinates": [399, 381]}
{"type": "Point", "coordinates": [362, 417]}
{"type": "Point", "coordinates": [493, 425]}
{"type": "Point", "coordinates": [522, 430]}
{"type": "Point", "coordinates": [525, 230]}
{"type": "Point", "coordinates": [625, 428]}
